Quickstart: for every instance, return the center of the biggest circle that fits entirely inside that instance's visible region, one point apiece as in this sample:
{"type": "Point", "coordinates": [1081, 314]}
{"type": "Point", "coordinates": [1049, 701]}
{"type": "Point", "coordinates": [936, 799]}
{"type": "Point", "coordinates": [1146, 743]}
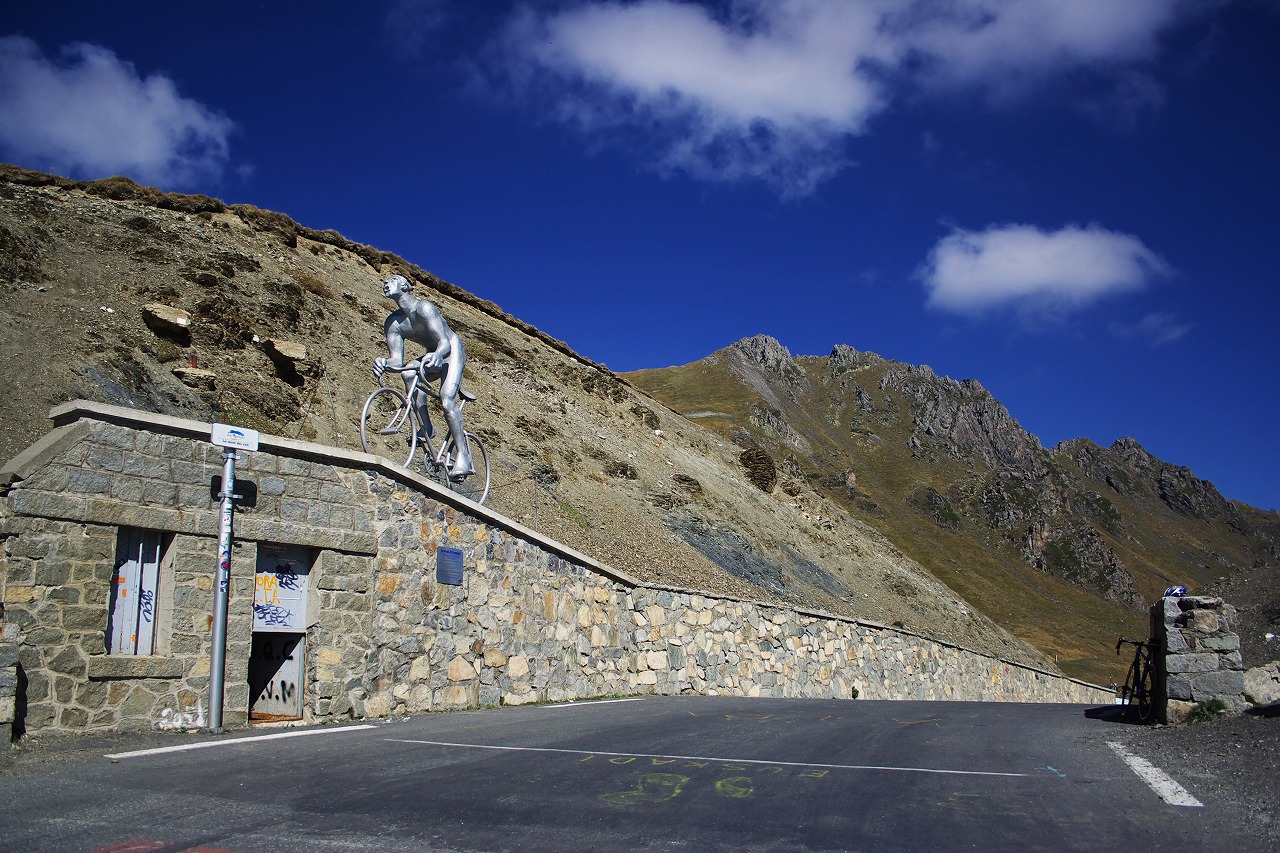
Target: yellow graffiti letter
{"type": "Point", "coordinates": [650, 788]}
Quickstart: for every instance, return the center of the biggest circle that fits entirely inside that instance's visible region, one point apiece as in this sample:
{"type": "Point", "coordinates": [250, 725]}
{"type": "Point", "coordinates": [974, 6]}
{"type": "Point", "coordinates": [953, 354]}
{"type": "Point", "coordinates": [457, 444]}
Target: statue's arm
{"type": "Point", "coordinates": [395, 344]}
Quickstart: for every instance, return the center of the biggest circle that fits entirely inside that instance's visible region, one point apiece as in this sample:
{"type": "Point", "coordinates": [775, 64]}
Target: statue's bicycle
{"type": "Point", "coordinates": [389, 427]}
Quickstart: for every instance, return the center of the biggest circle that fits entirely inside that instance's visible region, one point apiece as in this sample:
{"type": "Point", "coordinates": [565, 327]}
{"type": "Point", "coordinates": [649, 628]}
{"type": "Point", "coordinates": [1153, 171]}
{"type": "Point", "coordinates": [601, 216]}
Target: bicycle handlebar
{"type": "Point", "coordinates": [414, 366]}
{"type": "Point", "coordinates": [423, 383]}
{"type": "Point", "coordinates": [1122, 641]}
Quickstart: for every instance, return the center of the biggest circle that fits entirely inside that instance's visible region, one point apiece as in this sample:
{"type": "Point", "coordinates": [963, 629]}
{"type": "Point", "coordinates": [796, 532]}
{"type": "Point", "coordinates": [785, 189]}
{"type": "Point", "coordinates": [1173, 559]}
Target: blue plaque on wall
{"type": "Point", "coordinates": [449, 566]}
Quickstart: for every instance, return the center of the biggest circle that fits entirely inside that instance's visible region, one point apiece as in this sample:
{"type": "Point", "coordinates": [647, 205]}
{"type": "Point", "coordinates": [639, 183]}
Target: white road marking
{"type": "Point", "coordinates": [1159, 781]}
{"type": "Point", "coordinates": [208, 743]}
{"type": "Point", "coordinates": [707, 758]}
{"type": "Point", "coordinates": [592, 702]}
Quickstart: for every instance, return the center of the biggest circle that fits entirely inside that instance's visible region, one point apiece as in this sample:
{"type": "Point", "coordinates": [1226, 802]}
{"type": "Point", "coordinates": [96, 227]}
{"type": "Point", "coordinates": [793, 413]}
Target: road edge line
{"type": "Point", "coordinates": [229, 741]}
{"type": "Point", "coordinates": [1159, 781]}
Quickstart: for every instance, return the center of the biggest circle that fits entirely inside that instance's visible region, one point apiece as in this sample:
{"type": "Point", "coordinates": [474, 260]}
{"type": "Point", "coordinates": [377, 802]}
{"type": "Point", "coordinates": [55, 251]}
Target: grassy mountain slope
{"type": "Point", "coordinates": [1064, 547]}
{"type": "Point", "coordinates": [284, 323]}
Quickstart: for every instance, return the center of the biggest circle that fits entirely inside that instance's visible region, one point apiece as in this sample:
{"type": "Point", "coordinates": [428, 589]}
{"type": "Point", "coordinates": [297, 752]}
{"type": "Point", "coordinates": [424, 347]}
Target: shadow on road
{"type": "Point", "coordinates": [1120, 714]}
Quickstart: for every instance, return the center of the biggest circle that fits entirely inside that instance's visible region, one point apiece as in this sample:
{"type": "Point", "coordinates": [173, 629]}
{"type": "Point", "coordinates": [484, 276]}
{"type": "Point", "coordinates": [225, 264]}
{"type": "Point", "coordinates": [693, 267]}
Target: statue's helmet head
{"type": "Point", "coordinates": [395, 285]}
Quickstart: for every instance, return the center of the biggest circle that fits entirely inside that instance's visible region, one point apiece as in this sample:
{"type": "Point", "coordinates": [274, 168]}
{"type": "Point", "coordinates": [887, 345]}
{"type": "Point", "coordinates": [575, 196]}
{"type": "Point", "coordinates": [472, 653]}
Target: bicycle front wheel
{"type": "Point", "coordinates": [389, 427]}
{"type": "Point", "coordinates": [475, 486]}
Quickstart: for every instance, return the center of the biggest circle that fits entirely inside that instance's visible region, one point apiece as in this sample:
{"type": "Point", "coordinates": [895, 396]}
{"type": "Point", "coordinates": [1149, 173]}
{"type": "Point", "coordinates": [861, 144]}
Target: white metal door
{"type": "Point", "coordinates": [277, 661]}
{"type": "Point", "coordinates": [132, 621]}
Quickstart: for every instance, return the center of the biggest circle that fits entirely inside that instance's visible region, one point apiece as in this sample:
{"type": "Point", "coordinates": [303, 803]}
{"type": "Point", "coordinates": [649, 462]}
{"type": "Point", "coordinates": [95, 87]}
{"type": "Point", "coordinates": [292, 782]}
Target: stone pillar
{"type": "Point", "coordinates": [1202, 658]}
{"type": "Point", "coordinates": [8, 692]}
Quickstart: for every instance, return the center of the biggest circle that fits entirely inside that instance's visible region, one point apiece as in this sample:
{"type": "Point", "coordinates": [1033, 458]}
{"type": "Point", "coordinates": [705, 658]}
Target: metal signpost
{"type": "Point", "coordinates": [230, 439]}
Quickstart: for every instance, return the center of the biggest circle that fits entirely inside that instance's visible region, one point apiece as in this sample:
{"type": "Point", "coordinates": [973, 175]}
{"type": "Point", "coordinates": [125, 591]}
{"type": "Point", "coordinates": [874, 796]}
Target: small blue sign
{"type": "Point", "coordinates": [449, 566]}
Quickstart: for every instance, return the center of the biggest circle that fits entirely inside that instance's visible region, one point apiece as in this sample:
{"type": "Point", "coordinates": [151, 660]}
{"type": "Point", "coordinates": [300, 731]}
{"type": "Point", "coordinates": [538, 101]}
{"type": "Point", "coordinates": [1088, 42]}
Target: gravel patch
{"type": "Point", "coordinates": [1231, 763]}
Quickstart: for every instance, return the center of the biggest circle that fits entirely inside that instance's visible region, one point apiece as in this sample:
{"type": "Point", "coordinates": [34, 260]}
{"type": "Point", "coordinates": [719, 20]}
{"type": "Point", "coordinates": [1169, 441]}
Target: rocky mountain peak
{"type": "Point", "coordinates": [1127, 468]}
{"type": "Point", "coordinates": [765, 351]}
{"type": "Point", "coordinates": [765, 364]}
{"type": "Point", "coordinates": [963, 420]}
{"type": "Point", "coordinates": [845, 357]}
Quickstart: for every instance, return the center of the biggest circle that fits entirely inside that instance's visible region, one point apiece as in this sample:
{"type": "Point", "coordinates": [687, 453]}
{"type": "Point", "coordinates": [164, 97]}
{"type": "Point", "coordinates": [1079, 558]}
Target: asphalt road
{"type": "Point", "coordinates": [665, 773]}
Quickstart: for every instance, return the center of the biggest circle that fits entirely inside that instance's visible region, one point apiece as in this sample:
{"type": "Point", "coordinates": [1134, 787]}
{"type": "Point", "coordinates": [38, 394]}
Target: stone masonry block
{"type": "Point", "coordinates": [259, 463]}
{"type": "Point", "coordinates": [293, 510]}
{"type": "Point", "coordinates": [195, 496]}
{"type": "Point", "coordinates": [142, 465]}
{"type": "Point", "coordinates": [335, 493]}
{"type": "Point", "coordinates": [1178, 687]}
{"type": "Point", "coordinates": [159, 492]}
{"type": "Point", "coordinates": [271, 486]}
{"type": "Point", "coordinates": [1191, 663]}
{"type": "Point", "coordinates": [179, 449]}
{"type": "Point", "coordinates": [190, 473]}
{"type": "Point", "coordinates": [105, 459]}
{"type": "Point", "coordinates": [1228, 643]}
{"type": "Point", "coordinates": [131, 515]}
{"type": "Point", "coordinates": [1203, 622]}
{"type": "Point", "coordinates": [114, 436]}
{"type": "Point", "coordinates": [294, 467]}
{"type": "Point", "coordinates": [1216, 684]}
{"type": "Point", "coordinates": [127, 489]}
{"type": "Point", "coordinates": [46, 505]}
{"type": "Point", "coordinates": [52, 572]}
{"type": "Point", "coordinates": [149, 444]}
{"type": "Point", "coordinates": [88, 482]}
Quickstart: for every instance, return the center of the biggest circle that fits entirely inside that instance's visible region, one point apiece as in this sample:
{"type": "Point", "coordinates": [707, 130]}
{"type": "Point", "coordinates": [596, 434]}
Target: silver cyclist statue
{"type": "Point", "coordinates": [420, 321]}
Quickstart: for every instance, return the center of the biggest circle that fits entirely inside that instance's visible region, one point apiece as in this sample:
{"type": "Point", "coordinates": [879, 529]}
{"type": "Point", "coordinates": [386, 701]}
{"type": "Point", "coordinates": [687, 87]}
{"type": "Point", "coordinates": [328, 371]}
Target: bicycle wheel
{"type": "Point", "coordinates": [476, 486]}
{"type": "Point", "coordinates": [389, 427]}
{"type": "Point", "coordinates": [1145, 689]}
{"type": "Point", "coordinates": [1129, 692]}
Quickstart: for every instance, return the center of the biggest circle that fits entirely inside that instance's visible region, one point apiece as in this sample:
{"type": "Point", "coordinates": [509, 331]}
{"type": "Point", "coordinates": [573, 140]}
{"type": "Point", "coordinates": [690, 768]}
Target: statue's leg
{"type": "Point", "coordinates": [449, 388]}
{"type": "Point", "coordinates": [425, 427]}
{"type": "Point", "coordinates": [424, 418]}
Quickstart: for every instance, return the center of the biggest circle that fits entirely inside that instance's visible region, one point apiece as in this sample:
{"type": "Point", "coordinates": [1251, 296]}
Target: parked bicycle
{"type": "Point", "coordinates": [1138, 692]}
{"type": "Point", "coordinates": [389, 427]}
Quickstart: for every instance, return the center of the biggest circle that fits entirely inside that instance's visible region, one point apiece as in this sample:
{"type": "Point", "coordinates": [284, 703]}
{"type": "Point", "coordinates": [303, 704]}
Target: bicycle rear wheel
{"type": "Point", "coordinates": [389, 426]}
{"type": "Point", "coordinates": [476, 486]}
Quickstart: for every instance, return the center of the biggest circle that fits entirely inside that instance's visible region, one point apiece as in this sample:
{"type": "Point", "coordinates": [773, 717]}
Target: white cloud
{"type": "Point", "coordinates": [1002, 45]}
{"type": "Point", "coordinates": [768, 94]}
{"type": "Point", "coordinates": [772, 89]}
{"type": "Point", "coordinates": [93, 116]}
{"type": "Point", "coordinates": [1021, 265]}
{"type": "Point", "coordinates": [1157, 329]}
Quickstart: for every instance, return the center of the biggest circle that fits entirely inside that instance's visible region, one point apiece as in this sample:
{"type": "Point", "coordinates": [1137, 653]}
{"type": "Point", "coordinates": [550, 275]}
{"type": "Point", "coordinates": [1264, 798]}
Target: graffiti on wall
{"type": "Point", "coordinates": [182, 720]}
{"type": "Point", "coordinates": [280, 594]}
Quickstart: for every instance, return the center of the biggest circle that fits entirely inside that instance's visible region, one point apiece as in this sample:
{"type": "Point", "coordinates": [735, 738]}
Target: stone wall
{"type": "Point", "coordinates": [532, 620]}
{"type": "Point", "coordinates": [1202, 660]}
{"type": "Point", "coordinates": [687, 642]}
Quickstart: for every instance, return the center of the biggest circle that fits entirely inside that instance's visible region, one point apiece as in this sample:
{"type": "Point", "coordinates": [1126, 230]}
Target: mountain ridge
{"type": "Point", "coordinates": [945, 470]}
{"type": "Point", "coordinates": [734, 497]}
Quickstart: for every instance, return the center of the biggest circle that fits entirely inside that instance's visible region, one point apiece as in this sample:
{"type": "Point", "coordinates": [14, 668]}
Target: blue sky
{"type": "Point", "coordinates": [1072, 201]}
